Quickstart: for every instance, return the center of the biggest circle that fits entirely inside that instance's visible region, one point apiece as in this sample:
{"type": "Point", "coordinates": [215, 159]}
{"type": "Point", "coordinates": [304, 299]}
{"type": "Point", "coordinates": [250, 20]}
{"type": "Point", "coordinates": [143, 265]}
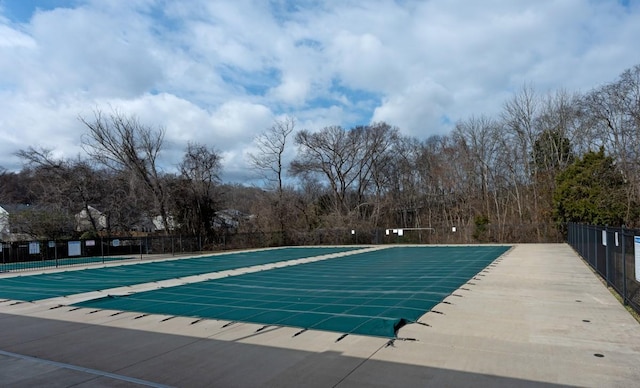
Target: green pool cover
{"type": "Point", "coordinates": [46, 264]}
{"type": "Point", "coordinates": [35, 287]}
{"type": "Point", "coordinates": [371, 293]}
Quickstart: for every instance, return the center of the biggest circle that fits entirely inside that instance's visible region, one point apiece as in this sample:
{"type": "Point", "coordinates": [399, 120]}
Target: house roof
{"type": "Point", "coordinates": [12, 208]}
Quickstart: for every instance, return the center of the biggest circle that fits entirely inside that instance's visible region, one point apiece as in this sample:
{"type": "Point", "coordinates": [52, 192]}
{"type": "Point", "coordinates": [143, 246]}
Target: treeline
{"type": "Point", "coordinates": [545, 160]}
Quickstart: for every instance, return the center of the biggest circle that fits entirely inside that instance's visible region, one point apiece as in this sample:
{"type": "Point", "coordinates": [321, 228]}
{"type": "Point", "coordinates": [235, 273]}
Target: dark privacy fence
{"type": "Point", "coordinates": [611, 252]}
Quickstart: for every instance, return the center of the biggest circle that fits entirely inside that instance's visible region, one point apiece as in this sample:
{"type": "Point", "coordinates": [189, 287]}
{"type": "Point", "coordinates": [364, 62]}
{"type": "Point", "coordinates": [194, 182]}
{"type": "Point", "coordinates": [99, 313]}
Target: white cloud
{"type": "Point", "coordinates": [227, 130]}
{"type": "Point", "coordinates": [292, 90]}
{"type": "Point", "coordinates": [52, 126]}
{"type": "Point", "coordinates": [87, 50]}
{"type": "Point", "coordinates": [419, 109]}
{"type": "Point", "coordinates": [15, 39]}
{"type": "Point", "coordinates": [218, 73]}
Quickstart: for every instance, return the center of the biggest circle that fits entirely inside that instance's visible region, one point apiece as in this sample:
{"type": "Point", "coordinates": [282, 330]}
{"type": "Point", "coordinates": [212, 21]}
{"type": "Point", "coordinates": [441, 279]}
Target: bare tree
{"type": "Point", "coordinates": [478, 137]}
{"type": "Point", "coordinates": [199, 173]}
{"type": "Point", "coordinates": [519, 118]}
{"type": "Point", "coordinates": [4, 184]}
{"type": "Point", "coordinates": [269, 160]}
{"type": "Point", "coordinates": [333, 154]}
{"type": "Point", "coordinates": [377, 153]}
{"type": "Point", "coordinates": [64, 184]}
{"type": "Point", "coordinates": [14, 187]}
{"type": "Point", "coordinates": [614, 111]}
{"type": "Point", "coordinates": [42, 222]}
{"type": "Point", "coordinates": [271, 144]}
{"type": "Point", "coordinates": [405, 191]}
{"type": "Point", "coordinates": [123, 143]}
{"type": "Point", "coordinates": [356, 165]}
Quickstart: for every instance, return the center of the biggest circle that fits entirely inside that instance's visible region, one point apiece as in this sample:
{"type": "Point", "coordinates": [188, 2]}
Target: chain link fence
{"type": "Point", "coordinates": [612, 253]}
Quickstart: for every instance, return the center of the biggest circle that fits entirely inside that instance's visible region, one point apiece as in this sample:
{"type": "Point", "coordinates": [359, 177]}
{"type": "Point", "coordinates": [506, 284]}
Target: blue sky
{"type": "Point", "coordinates": [220, 72]}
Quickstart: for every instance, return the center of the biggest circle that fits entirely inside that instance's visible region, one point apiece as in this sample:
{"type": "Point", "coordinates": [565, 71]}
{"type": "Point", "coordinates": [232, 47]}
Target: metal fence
{"type": "Point", "coordinates": [35, 254]}
{"type": "Point", "coordinates": [612, 253]}
{"type": "Point", "coordinates": [39, 254]}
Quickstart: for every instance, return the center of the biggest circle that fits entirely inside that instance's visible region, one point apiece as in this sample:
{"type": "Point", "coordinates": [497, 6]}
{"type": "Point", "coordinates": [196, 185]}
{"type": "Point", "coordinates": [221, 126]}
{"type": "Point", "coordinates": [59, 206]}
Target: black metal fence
{"type": "Point", "coordinates": [612, 253]}
{"type": "Point", "coordinates": [25, 255]}
{"type": "Point", "coordinates": [39, 254]}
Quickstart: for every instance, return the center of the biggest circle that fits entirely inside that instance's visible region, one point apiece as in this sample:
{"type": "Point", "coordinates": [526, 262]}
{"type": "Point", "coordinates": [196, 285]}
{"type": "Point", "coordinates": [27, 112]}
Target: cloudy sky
{"type": "Point", "coordinates": [219, 72]}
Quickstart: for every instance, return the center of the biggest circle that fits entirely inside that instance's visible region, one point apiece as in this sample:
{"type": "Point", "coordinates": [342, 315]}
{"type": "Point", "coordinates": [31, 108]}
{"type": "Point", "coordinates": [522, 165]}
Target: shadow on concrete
{"type": "Point", "coordinates": [184, 361]}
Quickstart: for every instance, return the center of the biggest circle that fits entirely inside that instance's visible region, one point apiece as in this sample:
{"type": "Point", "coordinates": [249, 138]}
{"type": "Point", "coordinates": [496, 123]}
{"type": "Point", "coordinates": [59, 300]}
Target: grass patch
{"type": "Point", "coordinates": [630, 309]}
{"type": "Point", "coordinates": [612, 290]}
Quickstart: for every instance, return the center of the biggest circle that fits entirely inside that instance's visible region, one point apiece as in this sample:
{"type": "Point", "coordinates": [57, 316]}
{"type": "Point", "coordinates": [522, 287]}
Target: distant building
{"type": "Point", "coordinates": [230, 219]}
{"type": "Point", "coordinates": [158, 224]}
{"type": "Point", "coordinates": [83, 221]}
{"type": "Point", "coordinates": [5, 226]}
{"type": "Point", "coordinates": [6, 233]}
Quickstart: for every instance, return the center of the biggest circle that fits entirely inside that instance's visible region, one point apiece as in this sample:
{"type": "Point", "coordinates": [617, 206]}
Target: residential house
{"type": "Point", "coordinates": [4, 222]}
{"type": "Point", "coordinates": [6, 234]}
{"type": "Point", "coordinates": [158, 223]}
{"type": "Point", "coordinates": [83, 220]}
{"type": "Point", "coordinates": [230, 219]}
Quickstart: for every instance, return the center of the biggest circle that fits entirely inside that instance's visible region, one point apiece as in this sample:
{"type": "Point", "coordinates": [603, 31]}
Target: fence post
{"type": "Point", "coordinates": [581, 231]}
{"type": "Point", "coordinates": [597, 236]}
{"type": "Point", "coordinates": [582, 242]}
{"type": "Point", "coordinates": [607, 254]}
{"type": "Point", "coordinates": [572, 235]}
{"type": "Point", "coordinates": [624, 269]}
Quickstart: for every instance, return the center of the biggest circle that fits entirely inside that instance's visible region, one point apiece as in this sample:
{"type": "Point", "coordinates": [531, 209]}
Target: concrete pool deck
{"type": "Point", "coordinates": [538, 316]}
